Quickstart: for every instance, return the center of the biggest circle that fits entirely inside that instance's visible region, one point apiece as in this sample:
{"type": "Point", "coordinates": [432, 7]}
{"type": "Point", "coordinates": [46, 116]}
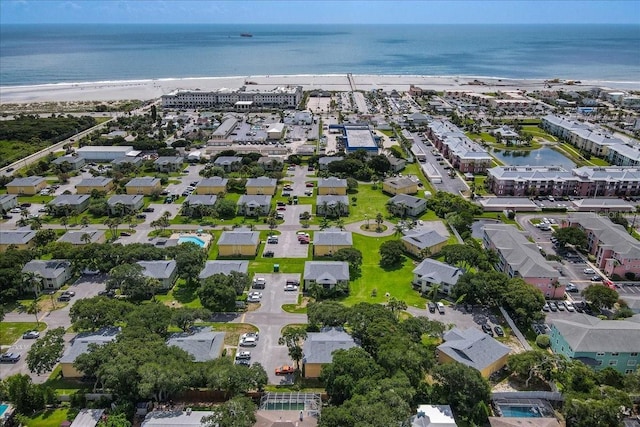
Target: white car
{"type": "Point", "coordinates": [290, 288]}
{"type": "Point", "coordinates": [589, 271]}
{"type": "Point", "coordinates": [243, 355]}
{"type": "Point", "coordinates": [570, 306]}
{"type": "Point", "coordinates": [15, 210]}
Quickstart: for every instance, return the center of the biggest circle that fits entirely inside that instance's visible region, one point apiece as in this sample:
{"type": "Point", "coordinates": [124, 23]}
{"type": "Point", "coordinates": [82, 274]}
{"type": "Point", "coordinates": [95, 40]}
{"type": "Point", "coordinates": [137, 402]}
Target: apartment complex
{"type": "Point", "coordinates": [616, 251]}
{"type": "Point", "coordinates": [242, 99]}
{"type": "Point", "coordinates": [463, 154]}
{"type": "Point", "coordinates": [523, 181]}
{"type": "Point", "coordinates": [518, 257]}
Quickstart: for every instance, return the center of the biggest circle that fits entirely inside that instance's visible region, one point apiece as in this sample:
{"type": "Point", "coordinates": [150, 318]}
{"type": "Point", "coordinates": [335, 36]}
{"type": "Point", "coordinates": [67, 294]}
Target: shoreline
{"type": "Point", "coordinates": [147, 89]}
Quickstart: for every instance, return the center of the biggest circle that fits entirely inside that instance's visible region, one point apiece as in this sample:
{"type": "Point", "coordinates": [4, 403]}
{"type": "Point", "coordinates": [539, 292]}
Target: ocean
{"type": "Point", "coordinates": [40, 54]}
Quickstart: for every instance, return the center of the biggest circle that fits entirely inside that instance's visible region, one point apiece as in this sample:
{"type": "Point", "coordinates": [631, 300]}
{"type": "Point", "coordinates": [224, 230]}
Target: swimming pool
{"type": "Point", "coordinates": [191, 239]}
{"type": "Point", "coordinates": [3, 409]}
{"type": "Point", "coordinates": [520, 411]}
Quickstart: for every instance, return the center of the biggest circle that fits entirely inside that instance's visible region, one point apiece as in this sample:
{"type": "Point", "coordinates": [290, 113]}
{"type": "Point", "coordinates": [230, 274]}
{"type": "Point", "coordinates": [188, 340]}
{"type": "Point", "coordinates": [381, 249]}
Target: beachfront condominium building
{"type": "Point", "coordinates": [518, 257]}
{"type": "Point", "coordinates": [242, 99]}
{"type": "Point", "coordinates": [524, 181]}
{"type": "Point", "coordinates": [463, 154]}
{"type": "Point", "coordinates": [615, 250]}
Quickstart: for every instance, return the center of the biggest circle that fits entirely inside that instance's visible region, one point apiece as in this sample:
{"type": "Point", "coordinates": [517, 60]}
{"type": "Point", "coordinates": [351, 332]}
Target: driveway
{"type": "Point", "coordinates": [270, 319]}
{"type": "Point", "coordinates": [85, 287]}
{"type": "Point", "coordinates": [288, 246]}
{"type": "Point", "coordinates": [299, 178]}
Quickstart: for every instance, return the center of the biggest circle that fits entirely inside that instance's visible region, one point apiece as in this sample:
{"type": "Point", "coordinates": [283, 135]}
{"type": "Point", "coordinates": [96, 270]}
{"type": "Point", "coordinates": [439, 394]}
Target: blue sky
{"type": "Point", "coordinates": [320, 11]}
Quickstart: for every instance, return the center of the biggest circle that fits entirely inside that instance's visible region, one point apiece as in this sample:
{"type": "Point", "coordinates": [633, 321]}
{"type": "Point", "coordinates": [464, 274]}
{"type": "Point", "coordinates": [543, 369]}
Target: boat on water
{"type": "Point", "coordinates": [246, 35]}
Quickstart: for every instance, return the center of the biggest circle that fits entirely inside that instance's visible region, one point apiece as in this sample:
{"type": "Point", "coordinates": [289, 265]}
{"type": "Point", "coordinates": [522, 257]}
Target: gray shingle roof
{"type": "Point", "coordinates": [75, 236]}
{"type": "Point", "coordinates": [400, 182]}
{"type": "Point", "coordinates": [472, 347]}
{"type": "Point", "coordinates": [255, 200]}
{"type": "Point", "coordinates": [329, 159]}
{"type": "Point", "coordinates": [69, 159]}
{"type": "Point", "coordinates": [332, 200]}
{"type": "Point", "coordinates": [226, 160]}
{"type": "Point", "coordinates": [407, 200]}
{"type": "Point", "coordinates": [319, 346]}
{"type": "Point", "coordinates": [610, 235]}
{"type": "Point", "coordinates": [158, 269]}
{"type": "Point", "coordinates": [438, 272]}
{"type": "Point", "coordinates": [204, 200]}
{"type": "Point", "coordinates": [50, 269]}
{"type": "Point", "coordinates": [145, 181]}
{"type": "Point", "coordinates": [22, 182]}
{"type": "Point", "coordinates": [332, 238]}
{"type": "Point", "coordinates": [94, 182]}
{"type": "Point", "coordinates": [329, 272]}
{"type": "Point", "coordinates": [424, 239]}
{"type": "Point", "coordinates": [261, 181]}
{"type": "Point", "coordinates": [332, 182]}
{"type": "Point", "coordinates": [125, 199]}
{"type": "Point", "coordinates": [216, 181]}
{"type": "Point", "coordinates": [16, 237]}
{"type": "Point", "coordinates": [239, 238]}
{"type": "Point", "coordinates": [589, 334]}
{"type": "Point", "coordinates": [167, 160]}
{"type": "Point", "coordinates": [224, 267]}
{"type": "Point", "coordinates": [69, 200]}
{"type": "Point", "coordinates": [80, 344]}
{"type": "Point", "coordinates": [203, 344]}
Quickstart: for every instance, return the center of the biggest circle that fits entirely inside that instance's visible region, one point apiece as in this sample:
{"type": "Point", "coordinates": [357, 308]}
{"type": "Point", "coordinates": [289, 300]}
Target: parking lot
{"type": "Point", "coordinates": [288, 246]}
{"type": "Point", "coordinates": [270, 319]}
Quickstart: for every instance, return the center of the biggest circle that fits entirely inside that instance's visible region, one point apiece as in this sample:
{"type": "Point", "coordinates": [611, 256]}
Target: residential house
{"type": "Point", "coordinates": [88, 418]}
{"type": "Point", "coordinates": [326, 274]}
{"type": "Point", "coordinates": [524, 422]}
{"type": "Point", "coordinates": [328, 242]}
{"type": "Point", "coordinates": [126, 162]}
{"type": "Point", "coordinates": [418, 119]}
{"type": "Point", "coordinates": [84, 236]}
{"type": "Point", "coordinates": [8, 202]}
{"type": "Point", "coordinates": [473, 348]}
{"type": "Point", "coordinates": [124, 204]}
{"type": "Point", "coordinates": [145, 185]}
{"type": "Point", "coordinates": [228, 163]}
{"type": "Point", "coordinates": [319, 347]}
{"type": "Point", "coordinates": [196, 205]}
{"type": "Point", "coordinates": [615, 250]}
{"type": "Point", "coordinates": [19, 239]}
{"type": "Point", "coordinates": [80, 345]}
{"type": "Point", "coordinates": [261, 185]}
{"type": "Point", "coordinates": [168, 164]}
{"type": "Point", "coordinates": [254, 205]}
{"type": "Point", "coordinates": [201, 343]}
{"type": "Point", "coordinates": [271, 164]}
{"type": "Point", "coordinates": [423, 242]}
{"type": "Point", "coordinates": [598, 343]}
{"type": "Point", "coordinates": [332, 206]}
{"type": "Point", "coordinates": [430, 273]}
{"type": "Point", "coordinates": [433, 416]}
{"type": "Point", "coordinates": [87, 185]}
{"type": "Point", "coordinates": [54, 272]}
{"type": "Point", "coordinates": [396, 164]}
{"type": "Point", "coordinates": [400, 185]}
{"type": "Point", "coordinates": [69, 163]}
{"type": "Point", "coordinates": [176, 418]}
{"type": "Point", "coordinates": [214, 185]}
{"type": "Point", "coordinates": [26, 186]}
{"type": "Point", "coordinates": [324, 162]}
{"type": "Point", "coordinates": [223, 267]}
{"type": "Point", "coordinates": [332, 186]}
{"type": "Point", "coordinates": [238, 243]}
{"type": "Point", "coordinates": [403, 205]}
{"type": "Point", "coordinates": [68, 204]}
{"type": "Point", "coordinates": [164, 271]}
{"type": "Point", "coordinates": [518, 257]}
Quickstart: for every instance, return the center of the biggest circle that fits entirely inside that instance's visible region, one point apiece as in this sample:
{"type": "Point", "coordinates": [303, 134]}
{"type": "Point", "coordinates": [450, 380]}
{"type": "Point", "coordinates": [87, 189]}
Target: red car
{"type": "Point", "coordinates": [284, 370]}
{"type": "Point", "coordinates": [309, 184]}
{"type": "Point", "coordinates": [282, 208]}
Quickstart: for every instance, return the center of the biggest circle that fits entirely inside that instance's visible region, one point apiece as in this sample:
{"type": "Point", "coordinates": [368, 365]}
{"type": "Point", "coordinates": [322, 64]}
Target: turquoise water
{"type": "Point", "coordinates": [3, 409]}
{"type": "Point", "coordinates": [35, 54]}
{"type": "Point", "coordinates": [191, 239]}
{"type": "Point", "coordinates": [544, 156]}
{"type": "Point", "coordinates": [519, 411]}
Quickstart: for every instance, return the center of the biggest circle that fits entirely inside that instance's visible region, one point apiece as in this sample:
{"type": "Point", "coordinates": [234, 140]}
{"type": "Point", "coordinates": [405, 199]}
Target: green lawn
{"type": "Point", "coordinates": [48, 418]}
{"type": "Point", "coordinates": [11, 331]}
{"type": "Point", "coordinates": [479, 182]}
{"type": "Point", "coordinates": [396, 282]}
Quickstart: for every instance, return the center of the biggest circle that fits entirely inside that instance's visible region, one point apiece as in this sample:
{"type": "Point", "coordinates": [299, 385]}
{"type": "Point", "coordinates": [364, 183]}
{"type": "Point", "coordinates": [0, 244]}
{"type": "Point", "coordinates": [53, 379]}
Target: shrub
{"type": "Point", "coordinates": [630, 275]}
{"type": "Point", "coordinates": [543, 341]}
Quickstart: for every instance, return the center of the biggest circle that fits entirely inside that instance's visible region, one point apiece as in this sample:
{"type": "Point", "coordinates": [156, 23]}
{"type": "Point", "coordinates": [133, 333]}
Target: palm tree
{"type": "Point", "coordinates": [34, 309]}
{"type": "Point", "coordinates": [32, 281]}
{"type": "Point", "coordinates": [325, 208]}
{"type": "Point", "coordinates": [85, 238]}
{"type": "Point", "coordinates": [65, 222]}
{"type": "Point", "coordinates": [340, 223]}
{"type": "Point", "coordinates": [434, 291]}
{"type": "Point", "coordinates": [425, 252]}
{"type": "Point", "coordinates": [84, 221]}
{"type": "Point", "coordinates": [36, 223]}
{"type": "Point", "coordinates": [379, 220]}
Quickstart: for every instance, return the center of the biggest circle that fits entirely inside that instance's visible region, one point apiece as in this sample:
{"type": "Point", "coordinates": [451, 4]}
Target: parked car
{"type": "Point", "coordinates": [285, 370]}
{"type": "Point", "coordinates": [64, 298]}
{"type": "Point", "coordinates": [440, 307]}
{"type": "Point", "coordinates": [141, 216]}
{"type": "Point", "coordinates": [569, 305]}
{"type": "Point", "coordinates": [571, 288]}
{"type": "Point", "coordinates": [243, 355]}
{"type": "Point", "coordinates": [432, 307]}
{"type": "Point", "coordinates": [259, 283]}
{"type": "Point", "coordinates": [293, 282]}
{"type": "Point", "coordinates": [15, 210]}
{"type": "Point", "coordinates": [486, 328]}
{"type": "Point", "coordinates": [268, 254]}
{"type": "Point", "coordinates": [546, 307]}
{"type": "Point", "coordinates": [248, 342]}
{"type": "Point", "coordinates": [553, 306]}
{"type": "Point", "coordinates": [125, 234]}
{"type": "Point", "coordinates": [309, 184]}
{"type": "Point", "coordinates": [589, 271]}
{"type": "Point", "coordinates": [282, 208]}
{"type": "Point", "coordinates": [6, 217]}
{"type": "Point", "coordinates": [31, 335]}
{"type": "Point", "coordinates": [499, 331]}
{"type": "Point", "coordinates": [272, 240]}
{"type": "Point", "coordinates": [148, 210]}
{"type": "Point", "coordinates": [70, 293]}
{"type": "Point", "coordinates": [596, 278]}
{"type": "Point", "coordinates": [290, 287]}
{"type": "Point", "coordinates": [9, 358]}
{"type": "Point", "coordinates": [243, 362]}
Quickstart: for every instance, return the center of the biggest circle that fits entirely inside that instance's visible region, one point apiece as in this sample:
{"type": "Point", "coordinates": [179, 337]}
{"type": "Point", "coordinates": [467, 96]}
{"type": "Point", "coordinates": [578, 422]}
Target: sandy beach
{"type": "Point", "coordinates": [153, 89]}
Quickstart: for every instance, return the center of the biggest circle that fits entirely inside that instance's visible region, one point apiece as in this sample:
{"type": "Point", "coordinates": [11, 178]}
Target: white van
{"type": "Point", "coordinates": [248, 342]}
{"type": "Point", "coordinates": [440, 307]}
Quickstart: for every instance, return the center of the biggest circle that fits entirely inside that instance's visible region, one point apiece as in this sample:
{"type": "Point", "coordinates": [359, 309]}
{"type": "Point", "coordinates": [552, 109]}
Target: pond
{"type": "Point", "coordinates": [544, 156]}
